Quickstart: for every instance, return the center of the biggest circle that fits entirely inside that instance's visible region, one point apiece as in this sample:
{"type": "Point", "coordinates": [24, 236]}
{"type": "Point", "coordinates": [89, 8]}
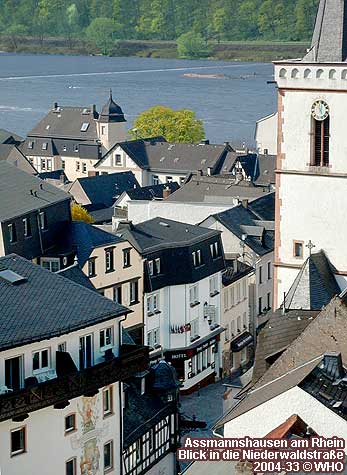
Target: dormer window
{"type": "Point", "coordinates": [84, 127]}
{"type": "Point", "coordinates": [106, 338]}
{"type": "Point", "coordinates": [27, 227]}
{"type": "Point", "coordinates": [76, 149]}
{"type": "Point", "coordinates": [12, 232]}
{"type": "Point", "coordinates": [44, 146]}
{"type": "Point", "coordinates": [197, 258]}
{"type": "Point", "coordinates": [43, 220]}
{"type": "Point", "coordinates": [214, 250]}
{"type": "Point", "coordinates": [31, 145]}
{"type": "Point", "coordinates": [154, 267]}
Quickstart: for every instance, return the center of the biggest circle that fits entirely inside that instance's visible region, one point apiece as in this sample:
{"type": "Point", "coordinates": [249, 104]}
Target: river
{"type": "Point", "coordinates": [229, 107]}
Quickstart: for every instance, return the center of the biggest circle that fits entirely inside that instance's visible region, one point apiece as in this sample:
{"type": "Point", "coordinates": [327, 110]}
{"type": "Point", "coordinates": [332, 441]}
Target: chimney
{"type": "Point", "coordinates": [205, 142]}
{"type": "Point", "coordinates": [93, 109]}
{"type": "Point", "coordinates": [200, 173]}
{"type": "Point", "coordinates": [209, 171]}
{"type": "Point", "coordinates": [244, 203]}
{"type": "Point", "coordinates": [125, 224]}
{"type": "Point", "coordinates": [55, 106]}
{"type": "Point", "coordinates": [166, 192]}
{"type": "Point", "coordinates": [227, 144]}
{"type": "Point", "coordinates": [62, 178]}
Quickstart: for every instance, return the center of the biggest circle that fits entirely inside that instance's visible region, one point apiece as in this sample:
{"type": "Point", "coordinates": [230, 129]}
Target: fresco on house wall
{"type": "Point", "coordinates": [90, 458]}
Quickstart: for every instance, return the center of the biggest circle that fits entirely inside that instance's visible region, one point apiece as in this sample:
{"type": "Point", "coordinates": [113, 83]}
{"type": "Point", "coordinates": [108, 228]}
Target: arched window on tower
{"type": "Point", "coordinates": [320, 134]}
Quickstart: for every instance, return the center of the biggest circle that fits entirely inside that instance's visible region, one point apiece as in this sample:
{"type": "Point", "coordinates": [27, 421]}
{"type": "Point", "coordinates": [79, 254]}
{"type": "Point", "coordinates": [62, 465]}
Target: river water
{"type": "Point", "coordinates": [229, 107]}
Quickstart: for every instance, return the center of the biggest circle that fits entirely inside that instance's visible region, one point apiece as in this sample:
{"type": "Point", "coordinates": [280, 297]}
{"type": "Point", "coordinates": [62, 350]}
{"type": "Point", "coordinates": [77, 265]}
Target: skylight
{"type": "Point", "coordinates": [84, 127]}
{"type": "Point", "coordinates": [11, 277]}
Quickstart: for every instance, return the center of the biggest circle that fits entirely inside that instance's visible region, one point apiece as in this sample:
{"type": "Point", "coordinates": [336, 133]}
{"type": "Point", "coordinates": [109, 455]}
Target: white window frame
{"type": "Point", "coordinates": [194, 294]}
{"type": "Point", "coordinates": [74, 466]}
{"type": "Point", "coordinates": [50, 262]}
{"type": "Point", "coordinates": [153, 303]}
{"type": "Point", "coordinates": [153, 337]}
{"type": "Point", "coordinates": [42, 220]}
{"type": "Point", "coordinates": [117, 160]}
{"type": "Point", "coordinates": [214, 248]}
{"type": "Point", "coordinates": [72, 428]}
{"type": "Point", "coordinates": [134, 284]}
{"type": "Point", "coordinates": [23, 450]}
{"type": "Point", "coordinates": [103, 334]}
{"type": "Point", "coordinates": [155, 180]}
{"type": "Point", "coordinates": [194, 327]}
{"type": "Point", "coordinates": [157, 265]}
{"type": "Point", "coordinates": [150, 267]}
{"type": "Point", "coordinates": [41, 368]}
{"type": "Point", "coordinates": [108, 394]}
{"type": "Point", "coordinates": [213, 283]}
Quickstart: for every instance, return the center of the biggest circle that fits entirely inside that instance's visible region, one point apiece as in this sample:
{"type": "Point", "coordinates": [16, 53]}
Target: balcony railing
{"type": "Point", "coordinates": [58, 391]}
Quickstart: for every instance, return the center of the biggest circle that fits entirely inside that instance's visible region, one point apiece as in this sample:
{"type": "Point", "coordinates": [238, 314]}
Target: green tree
{"type": "Point", "coordinates": [14, 32]}
{"type": "Point", "coordinates": [175, 126]}
{"type": "Point", "coordinates": [191, 45]}
{"type": "Point", "coordinates": [221, 23]}
{"type": "Point", "coordinates": [101, 32]}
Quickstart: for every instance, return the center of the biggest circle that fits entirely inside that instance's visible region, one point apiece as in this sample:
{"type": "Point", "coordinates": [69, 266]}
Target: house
{"type": "Point", "coordinates": [33, 213]}
{"type": "Point", "coordinates": [237, 339]}
{"type": "Point", "coordinates": [12, 154]}
{"type": "Point", "coordinates": [74, 138]}
{"type": "Point", "coordinates": [62, 367]}
{"type": "Point", "coordinates": [266, 134]}
{"type": "Point", "coordinates": [155, 161]}
{"type": "Point", "coordinates": [257, 168]}
{"type": "Point", "coordinates": [11, 138]}
{"type": "Point", "coordinates": [183, 267]}
{"type": "Point", "coordinates": [100, 192]}
{"type": "Point", "coordinates": [114, 267]}
{"type": "Point", "coordinates": [147, 193]}
{"type": "Point", "coordinates": [151, 430]}
{"type": "Point", "coordinates": [247, 231]}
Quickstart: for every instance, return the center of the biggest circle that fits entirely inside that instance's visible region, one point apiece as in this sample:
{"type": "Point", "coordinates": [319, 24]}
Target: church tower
{"type": "Point", "coordinates": [311, 178]}
{"type": "Point", "coordinates": [111, 124]}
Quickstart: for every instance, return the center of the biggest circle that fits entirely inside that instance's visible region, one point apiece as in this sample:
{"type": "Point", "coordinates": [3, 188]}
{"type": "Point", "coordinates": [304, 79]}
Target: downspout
{"type": "Point", "coordinates": [39, 228]}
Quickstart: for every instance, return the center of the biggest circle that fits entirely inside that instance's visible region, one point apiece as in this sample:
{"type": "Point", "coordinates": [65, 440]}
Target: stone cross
{"type": "Point", "coordinates": [310, 246]}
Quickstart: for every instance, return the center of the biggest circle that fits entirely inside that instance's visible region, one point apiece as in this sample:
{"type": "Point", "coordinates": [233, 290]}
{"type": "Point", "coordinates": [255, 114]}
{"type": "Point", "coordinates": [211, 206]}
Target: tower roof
{"type": "Point", "coordinates": [329, 41]}
{"type": "Point", "coordinates": [111, 112]}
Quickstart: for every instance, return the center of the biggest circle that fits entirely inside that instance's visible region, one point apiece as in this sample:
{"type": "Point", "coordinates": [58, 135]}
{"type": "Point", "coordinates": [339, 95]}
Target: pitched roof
{"type": "Point", "coordinates": [329, 40]}
{"type": "Point", "coordinates": [266, 170]}
{"type": "Point", "coordinates": [7, 137]}
{"type": "Point", "coordinates": [278, 334]}
{"type": "Point", "coordinates": [216, 189]}
{"type": "Point", "coordinates": [156, 154]}
{"type": "Point", "coordinates": [235, 270]}
{"type": "Point", "coordinates": [161, 233]}
{"type": "Point", "coordinates": [44, 305]}
{"type": "Point", "coordinates": [86, 237]}
{"type": "Point", "coordinates": [111, 112]}
{"type": "Point", "coordinates": [105, 189]}
{"type": "Point", "coordinates": [314, 286]}
{"type": "Point", "coordinates": [264, 207]}
{"type": "Point", "coordinates": [15, 196]}
{"type": "Point", "coordinates": [66, 122]}
{"type": "Point", "coordinates": [75, 274]}
{"type": "Point", "coordinates": [151, 192]}
{"type": "Point", "coordinates": [243, 223]}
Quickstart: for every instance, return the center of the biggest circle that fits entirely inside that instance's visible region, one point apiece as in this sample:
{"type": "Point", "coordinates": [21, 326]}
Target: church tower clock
{"type": "Point", "coordinates": [311, 177]}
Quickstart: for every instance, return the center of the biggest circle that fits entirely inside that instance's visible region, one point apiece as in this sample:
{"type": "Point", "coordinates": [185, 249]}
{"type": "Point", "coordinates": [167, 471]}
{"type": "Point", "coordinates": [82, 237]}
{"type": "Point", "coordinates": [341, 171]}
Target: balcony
{"type": "Point", "coordinates": [58, 391]}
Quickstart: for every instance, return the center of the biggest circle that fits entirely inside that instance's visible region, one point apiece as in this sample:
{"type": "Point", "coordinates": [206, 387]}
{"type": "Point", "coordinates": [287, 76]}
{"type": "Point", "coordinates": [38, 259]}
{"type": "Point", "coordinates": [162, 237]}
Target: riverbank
{"type": "Point", "coordinates": [260, 51]}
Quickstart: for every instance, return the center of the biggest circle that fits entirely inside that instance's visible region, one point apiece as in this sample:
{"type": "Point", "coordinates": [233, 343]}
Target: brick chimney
{"type": "Point", "coordinates": [166, 192]}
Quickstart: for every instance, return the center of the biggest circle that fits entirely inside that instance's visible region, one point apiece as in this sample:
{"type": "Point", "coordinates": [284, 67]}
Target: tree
{"type": "Point", "coordinates": [101, 32]}
{"type": "Point", "coordinates": [15, 31]}
{"type": "Point", "coordinates": [191, 45]}
{"type": "Point", "coordinates": [78, 213]}
{"type": "Point", "coordinates": [175, 126]}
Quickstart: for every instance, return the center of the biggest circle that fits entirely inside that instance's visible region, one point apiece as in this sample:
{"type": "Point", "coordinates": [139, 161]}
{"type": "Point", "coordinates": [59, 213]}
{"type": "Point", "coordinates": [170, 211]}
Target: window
{"type": "Point", "coordinates": [214, 285]}
{"type": "Point", "coordinates": [77, 166]}
{"type": "Point", "coordinates": [84, 127]}
{"type": "Point", "coordinates": [62, 346]}
{"type": "Point", "coordinates": [134, 292]}
{"type": "Point", "coordinates": [52, 265]}
{"type": "Point", "coordinates": [84, 167]}
{"type": "Point", "coordinates": [244, 355]}
{"type": "Point", "coordinates": [64, 148]}
{"type": "Point", "coordinates": [153, 304]}
{"type": "Point", "coordinates": [197, 258]}
{"type": "Point", "coordinates": [31, 145]}
{"type": "Point", "coordinates": [91, 267]}
{"type": "Point", "coordinates": [70, 467]}
{"type": "Point", "coordinates": [44, 146]}
{"type": "Point", "coordinates": [260, 306]}
{"type": "Point", "coordinates": [12, 232]}
{"type": "Point", "coordinates": [321, 138]}
{"type": "Point", "coordinates": [244, 320]}
{"type": "Point", "coordinates": [157, 266]}
{"type": "Point", "coordinates": [169, 179]}
{"type": "Point", "coordinates": [109, 256]}
{"type": "Point", "coordinates": [41, 360]}
{"type": "Point", "coordinates": [106, 338]}
{"type": "Point", "coordinates": [42, 220]}
{"type": "Point", "coordinates": [43, 164]}
{"type": "Point", "coordinates": [227, 332]}
{"type": "Point", "coordinates": [194, 295]}
{"type": "Point", "coordinates": [18, 442]}
{"type": "Point", "coordinates": [63, 164]}
{"type": "Point", "coordinates": [49, 164]}
{"type": "Point", "coordinates": [70, 423]}
{"type": "Point", "coordinates": [182, 180]}
{"type": "Point", "coordinates": [269, 270]}
{"type": "Point", "coordinates": [153, 338]}
{"type": "Point", "coordinates": [14, 374]}
{"type": "Point", "coordinates": [239, 324]}
{"type": "Point", "coordinates": [117, 160]}
{"type": "Point", "coordinates": [103, 130]}
{"type": "Point", "coordinates": [117, 294]}
{"type": "Point", "coordinates": [107, 401]}
{"type": "Point", "coordinates": [238, 293]}
{"type": "Point", "coordinates": [76, 148]}
{"type": "Point", "coordinates": [150, 267]}
{"type": "Point", "coordinates": [260, 275]}
{"type": "Point", "coordinates": [269, 300]}
{"type": "Point", "coordinates": [194, 327]}
{"type": "Point", "coordinates": [298, 249]}
{"type": "Point", "coordinates": [214, 250]}
{"type": "Point", "coordinates": [126, 258]}
{"type": "Point", "coordinates": [155, 180]}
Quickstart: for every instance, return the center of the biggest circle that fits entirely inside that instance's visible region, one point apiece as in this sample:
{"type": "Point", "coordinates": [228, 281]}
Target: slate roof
{"type": "Point", "coordinates": [242, 221]}
{"type": "Point", "coordinates": [111, 112]}
{"type": "Point", "coordinates": [158, 155]}
{"type": "Point", "coordinates": [161, 233]}
{"type": "Point", "coordinates": [216, 189]}
{"type": "Point", "coordinates": [278, 334]}
{"type": "Point", "coordinates": [75, 274]}
{"type": "Point", "coordinates": [46, 305]}
{"type": "Point", "coordinates": [151, 192]}
{"type": "Point", "coordinates": [53, 175]}
{"type": "Point", "coordinates": [103, 190]}
{"type": "Point", "coordinates": [314, 286]}
{"type": "Point", "coordinates": [65, 122]}
{"type": "Point", "coordinates": [5, 150]}
{"type": "Point", "coordinates": [266, 170]}
{"type": "Point", "coordinates": [231, 274]}
{"type": "Point", "coordinates": [7, 137]}
{"type": "Point", "coordinates": [102, 216]}
{"type": "Point", "coordinates": [264, 207]}
{"type": "Point", "coordinates": [15, 197]}
{"type": "Point", "coordinates": [329, 37]}
{"type": "Point", "coordinates": [85, 237]}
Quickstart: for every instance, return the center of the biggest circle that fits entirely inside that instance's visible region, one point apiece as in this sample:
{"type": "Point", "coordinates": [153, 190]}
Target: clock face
{"type": "Point", "coordinates": [320, 110]}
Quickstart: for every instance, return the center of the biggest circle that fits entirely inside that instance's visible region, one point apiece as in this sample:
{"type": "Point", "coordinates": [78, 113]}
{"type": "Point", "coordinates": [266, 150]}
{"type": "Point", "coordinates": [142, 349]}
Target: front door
{"type": "Point", "coordinates": [14, 373]}
{"type": "Point", "coordinates": [86, 351]}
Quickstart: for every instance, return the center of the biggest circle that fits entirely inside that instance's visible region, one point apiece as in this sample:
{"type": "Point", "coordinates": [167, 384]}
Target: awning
{"type": "Point", "coordinates": [241, 342]}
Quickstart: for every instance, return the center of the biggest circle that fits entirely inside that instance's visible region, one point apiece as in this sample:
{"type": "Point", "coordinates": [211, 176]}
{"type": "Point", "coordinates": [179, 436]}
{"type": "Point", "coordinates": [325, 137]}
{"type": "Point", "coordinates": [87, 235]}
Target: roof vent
{"type": "Point", "coordinates": [11, 277]}
{"type": "Point", "coordinates": [164, 224]}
